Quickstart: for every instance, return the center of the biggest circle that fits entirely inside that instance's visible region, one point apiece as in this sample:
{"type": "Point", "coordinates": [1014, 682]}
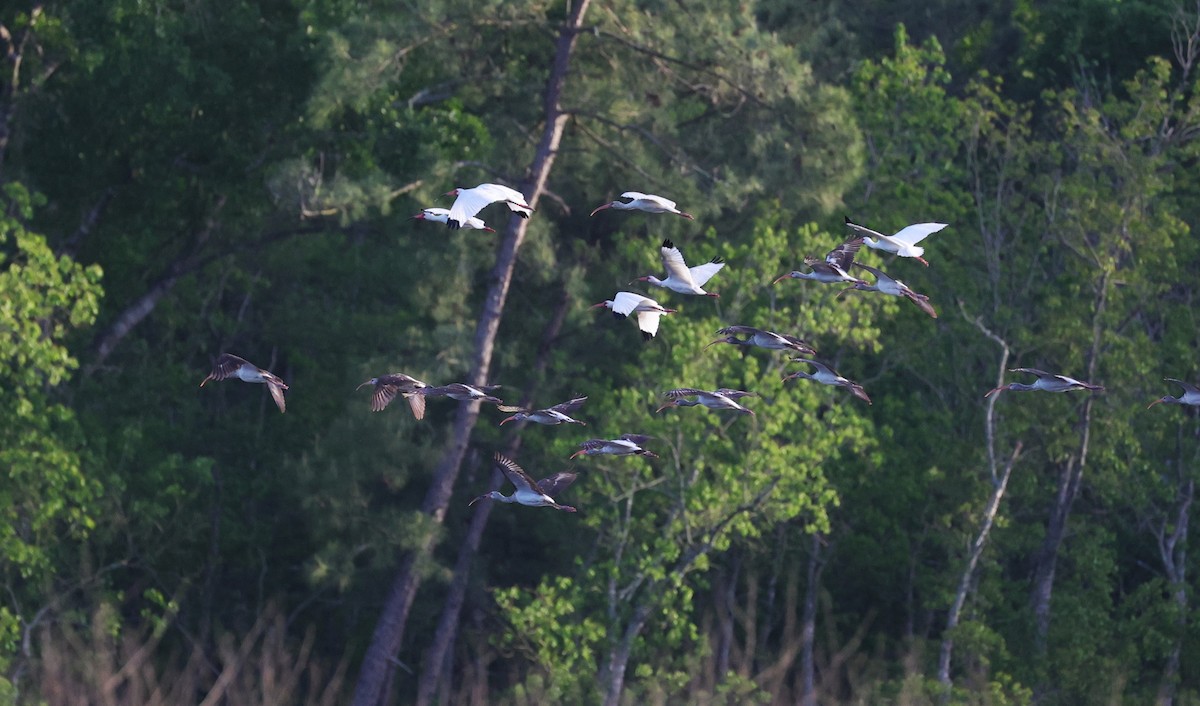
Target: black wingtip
{"type": "Point", "coordinates": [647, 336]}
{"type": "Point", "coordinates": [453, 224]}
{"type": "Point", "coordinates": [619, 316]}
{"type": "Point", "coordinates": [848, 221]}
{"type": "Point", "coordinates": [668, 244]}
{"type": "Point", "coordinates": [717, 260]}
{"type": "Point", "coordinates": [522, 214]}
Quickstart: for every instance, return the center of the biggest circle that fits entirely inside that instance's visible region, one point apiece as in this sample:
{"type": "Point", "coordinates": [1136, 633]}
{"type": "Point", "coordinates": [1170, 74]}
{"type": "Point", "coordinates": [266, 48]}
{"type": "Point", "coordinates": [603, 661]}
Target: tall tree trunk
{"type": "Point", "coordinates": [1068, 490]}
{"type": "Point", "coordinates": [1173, 551]}
{"type": "Point", "coordinates": [808, 628]}
{"type": "Point", "coordinates": [389, 631]}
{"type": "Point", "coordinates": [999, 483]}
{"type": "Point", "coordinates": [964, 583]}
{"type": "Point", "coordinates": [447, 629]}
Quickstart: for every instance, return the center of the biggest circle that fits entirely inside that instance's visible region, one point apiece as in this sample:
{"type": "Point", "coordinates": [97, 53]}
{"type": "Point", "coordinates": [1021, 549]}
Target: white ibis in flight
{"type": "Point", "coordinates": [558, 414]}
{"type": "Point", "coordinates": [723, 398]}
{"type": "Point", "coordinates": [762, 339]}
{"type": "Point", "coordinates": [680, 277]}
{"type": "Point", "coordinates": [463, 393]}
{"type": "Point", "coordinates": [885, 284]}
{"type": "Point", "coordinates": [835, 267]}
{"type": "Point", "coordinates": [827, 376]}
{"type": "Point", "coordinates": [539, 494]}
{"type": "Point", "coordinates": [388, 386]}
{"type": "Point", "coordinates": [231, 366]}
{"type": "Point", "coordinates": [903, 243]}
{"type": "Point", "coordinates": [469, 202]}
{"type": "Point", "coordinates": [643, 202]}
{"type": "Point", "coordinates": [647, 310]}
{"type": "Point", "coordinates": [1046, 382]}
{"type": "Point", "coordinates": [1190, 396]}
{"type": "Point", "coordinates": [624, 445]}
{"type": "Point", "coordinates": [442, 215]}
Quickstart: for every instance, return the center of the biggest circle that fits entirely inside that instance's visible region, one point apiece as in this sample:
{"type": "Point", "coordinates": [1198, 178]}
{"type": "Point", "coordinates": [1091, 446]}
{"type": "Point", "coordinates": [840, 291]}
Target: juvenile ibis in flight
{"type": "Point", "coordinates": [885, 284]}
{"type": "Point", "coordinates": [723, 398]}
{"type": "Point", "coordinates": [558, 414]}
{"type": "Point", "coordinates": [442, 215]}
{"type": "Point", "coordinates": [835, 267]}
{"type": "Point", "coordinates": [539, 494]}
{"type": "Point", "coordinates": [624, 445]}
{"type": "Point", "coordinates": [643, 202]}
{"type": "Point", "coordinates": [680, 277]}
{"type": "Point", "coordinates": [1190, 396]}
{"type": "Point", "coordinates": [463, 393]}
{"type": "Point", "coordinates": [827, 376]}
{"type": "Point", "coordinates": [762, 339]}
{"type": "Point", "coordinates": [388, 386]}
{"type": "Point", "coordinates": [231, 366]}
{"type": "Point", "coordinates": [647, 310]}
{"type": "Point", "coordinates": [903, 243]}
{"type": "Point", "coordinates": [468, 202]}
{"type": "Point", "coordinates": [1046, 382]}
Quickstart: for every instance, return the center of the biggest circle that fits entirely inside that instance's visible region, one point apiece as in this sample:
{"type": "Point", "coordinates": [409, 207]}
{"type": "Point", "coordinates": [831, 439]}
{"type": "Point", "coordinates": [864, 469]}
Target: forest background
{"type": "Point", "coordinates": [186, 178]}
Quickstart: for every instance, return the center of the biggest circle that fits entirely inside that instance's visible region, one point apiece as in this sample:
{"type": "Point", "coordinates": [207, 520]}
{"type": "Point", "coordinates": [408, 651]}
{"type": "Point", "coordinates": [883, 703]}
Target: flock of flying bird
{"type": "Point", "coordinates": [834, 268]}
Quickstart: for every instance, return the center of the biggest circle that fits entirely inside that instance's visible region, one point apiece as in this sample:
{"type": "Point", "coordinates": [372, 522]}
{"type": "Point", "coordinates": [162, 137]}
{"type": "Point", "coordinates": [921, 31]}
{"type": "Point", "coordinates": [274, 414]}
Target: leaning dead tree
{"type": "Point", "coordinates": [389, 630]}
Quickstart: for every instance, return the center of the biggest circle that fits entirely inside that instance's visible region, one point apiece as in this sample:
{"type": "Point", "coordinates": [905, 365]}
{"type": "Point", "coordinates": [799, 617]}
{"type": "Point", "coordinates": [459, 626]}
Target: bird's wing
{"type": "Point", "coordinates": [922, 301]}
{"type": "Point", "coordinates": [553, 485]}
{"type": "Point", "coordinates": [821, 367]}
{"type": "Point", "coordinates": [864, 231]}
{"type": "Point", "coordinates": [634, 195]}
{"type": "Point", "coordinates": [592, 444]}
{"type": "Point", "coordinates": [468, 203]}
{"type": "Point", "coordinates": [516, 474]}
{"type": "Point", "coordinates": [227, 366]}
{"type": "Point", "coordinates": [1033, 371]}
{"type": "Point", "coordinates": [277, 394]}
{"type": "Point", "coordinates": [739, 329]}
{"type": "Point", "coordinates": [648, 323]}
{"type": "Point", "coordinates": [859, 392]}
{"type": "Point", "coordinates": [569, 406]}
{"type": "Point", "coordinates": [879, 274]}
{"type": "Point", "coordinates": [682, 393]}
{"type": "Point", "coordinates": [843, 255]}
{"type": "Point", "coordinates": [638, 439]}
{"type": "Point", "coordinates": [384, 394]}
{"type": "Point", "coordinates": [405, 383]}
{"type": "Point", "coordinates": [672, 260]}
{"type": "Point", "coordinates": [436, 211]}
{"type": "Point", "coordinates": [440, 391]}
{"type": "Point", "coordinates": [625, 302]}
{"type": "Point", "coordinates": [732, 394]}
{"type": "Point", "coordinates": [666, 202]}
{"type": "Point", "coordinates": [917, 232]}
{"type": "Point", "coordinates": [794, 341]}
{"type": "Point", "coordinates": [498, 192]}
{"type": "Point", "coordinates": [1187, 386]}
{"type": "Point", "coordinates": [703, 273]}
{"type": "Point", "coordinates": [417, 404]}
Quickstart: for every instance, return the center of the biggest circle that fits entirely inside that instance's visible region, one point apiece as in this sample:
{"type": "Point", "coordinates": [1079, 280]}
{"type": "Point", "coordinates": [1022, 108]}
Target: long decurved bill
{"type": "Point", "coordinates": [780, 278]}
{"type": "Point", "coordinates": [481, 497]}
{"type": "Point", "coordinates": [580, 452]}
{"type": "Point", "coordinates": [1154, 403]}
{"type": "Point", "coordinates": [600, 208]}
{"type": "Point", "coordinates": [719, 340]}
{"type": "Point", "coordinates": [669, 404]}
{"type": "Point", "coordinates": [998, 389]}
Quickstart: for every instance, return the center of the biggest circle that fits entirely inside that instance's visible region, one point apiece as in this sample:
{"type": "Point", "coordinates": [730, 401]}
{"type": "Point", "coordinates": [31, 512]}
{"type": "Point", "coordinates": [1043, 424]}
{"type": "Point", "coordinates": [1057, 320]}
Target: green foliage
{"type": "Point", "coordinates": [46, 496]}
